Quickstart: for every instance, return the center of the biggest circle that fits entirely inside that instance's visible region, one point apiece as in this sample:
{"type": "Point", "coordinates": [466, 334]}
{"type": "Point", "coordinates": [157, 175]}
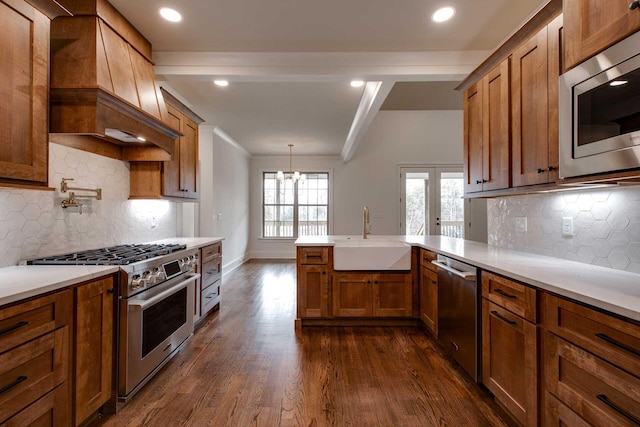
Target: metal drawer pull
{"type": "Point", "coordinates": [610, 340]}
{"type": "Point", "coordinates": [13, 384]}
{"type": "Point", "coordinates": [603, 398]}
{"type": "Point", "coordinates": [14, 327]}
{"type": "Point", "coordinates": [511, 322]}
{"type": "Point", "coordinates": [209, 296]}
{"type": "Point", "coordinates": [504, 294]}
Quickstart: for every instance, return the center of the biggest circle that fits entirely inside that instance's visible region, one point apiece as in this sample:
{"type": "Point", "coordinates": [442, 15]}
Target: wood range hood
{"type": "Point", "coordinates": [104, 97]}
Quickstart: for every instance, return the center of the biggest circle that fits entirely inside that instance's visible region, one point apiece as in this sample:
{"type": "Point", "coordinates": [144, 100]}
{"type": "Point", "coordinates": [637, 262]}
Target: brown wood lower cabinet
{"type": "Point", "coordinates": [591, 365]}
{"type": "Point", "coordinates": [313, 291]}
{"type": "Point", "coordinates": [510, 346]}
{"type": "Point", "coordinates": [93, 344]}
{"type": "Point", "coordinates": [429, 299]}
{"type": "Point", "coordinates": [372, 294]}
{"type": "Point", "coordinates": [51, 410]}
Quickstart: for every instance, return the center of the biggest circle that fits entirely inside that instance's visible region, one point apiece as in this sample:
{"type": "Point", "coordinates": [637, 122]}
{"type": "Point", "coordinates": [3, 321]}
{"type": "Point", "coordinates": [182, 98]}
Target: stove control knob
{"type": "Point", "coordinates": [159, 275]}
{"type": "Point", "coordinates": [152, 277]}
{"type": "Point", "coordinates": [145, 278]}
{"type": "Point", "coordinates": [136, 281]}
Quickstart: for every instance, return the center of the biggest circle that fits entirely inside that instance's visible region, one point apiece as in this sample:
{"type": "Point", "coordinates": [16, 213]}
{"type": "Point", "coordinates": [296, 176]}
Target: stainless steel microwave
{"type": "Point", "coordinates": [600, 112]}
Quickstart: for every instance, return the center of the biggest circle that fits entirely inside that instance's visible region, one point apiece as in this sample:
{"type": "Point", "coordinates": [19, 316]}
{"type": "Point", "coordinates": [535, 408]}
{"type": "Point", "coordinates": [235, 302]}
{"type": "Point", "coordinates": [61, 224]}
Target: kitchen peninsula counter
{"type": "Point", "coordinates": [612, 290]}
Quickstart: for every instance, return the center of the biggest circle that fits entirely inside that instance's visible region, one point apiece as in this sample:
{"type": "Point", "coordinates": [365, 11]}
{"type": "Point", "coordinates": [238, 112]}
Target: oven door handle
{"type": "Point", "coordinates": [144, 303]}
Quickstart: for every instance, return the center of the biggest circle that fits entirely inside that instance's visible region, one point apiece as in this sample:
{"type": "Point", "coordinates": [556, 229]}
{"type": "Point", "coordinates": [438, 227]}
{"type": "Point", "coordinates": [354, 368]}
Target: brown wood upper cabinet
{"type": "Point", "coordinates": [486, 132]}
{"type": "Point", "coordinates": [594, 25]}
{"type": "Point", "coordinates": [24, 102]}
{"type": "Point", "coordinates": [534, 88]}
{"type": "Point", "coordinates": [177, 178]}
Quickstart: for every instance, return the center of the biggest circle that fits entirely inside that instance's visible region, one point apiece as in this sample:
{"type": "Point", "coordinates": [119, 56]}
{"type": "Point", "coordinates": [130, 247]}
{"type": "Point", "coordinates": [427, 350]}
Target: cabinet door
{"type": "Point", "coordinates": [510, 361]}
{"type": "Point", "coordinates": [555, 43]}
{"type": "Point", "coordinates": [171, 169]}
{"type": "Point", "coordinates": [313, 291]}
{"type": "Point", "coordinates": [496, 147]}
{"type": "Point", "coordinates": [189, 158]}
{"type": "Point", "coordinates": [473, 139]}
{"type": "Point", "coordinates": [352, 295]}
{"type": "Point", "coordinates": [24, 102]}
{"type": "Point", "coordinates": [593, 25]}
{"type": "Point", "coordinates": [392, 295]}
{"type": "Point", "coordinates": [530, 133]}
{"type": "Point", "coordinates": [556, 414]}
{"type": "Point", "coordinates": [93, 347]}
{"type": "Point", "coordinates": [429, 299]}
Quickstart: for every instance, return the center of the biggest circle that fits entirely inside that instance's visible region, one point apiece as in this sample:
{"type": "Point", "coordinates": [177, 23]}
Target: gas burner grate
{"type": "Point", "coordinates": [113, 255]}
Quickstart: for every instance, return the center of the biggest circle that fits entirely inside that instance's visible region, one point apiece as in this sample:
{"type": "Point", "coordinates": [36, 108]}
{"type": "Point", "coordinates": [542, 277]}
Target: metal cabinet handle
{"type": "Point", "coordinates": [13, 384]}
{"type": "Point", "coordinates": [540, 170]}
{"type": "Point", "coordinates": [467, 275]}
{"type": "Point", "coordinates": [478, 181]}
{"type": "Point", "coordinates": [14, 327]}
{"type": "Point", "coordinates": [504, 319]}
{"type": "Point", "coordinates": [604, 399]}
{"type": "Point", "coordinates": [611, 341]}
{"type": "Point", "coordinates": [504, 294]}
{"type": "Point", "coordinates": [552, 168]}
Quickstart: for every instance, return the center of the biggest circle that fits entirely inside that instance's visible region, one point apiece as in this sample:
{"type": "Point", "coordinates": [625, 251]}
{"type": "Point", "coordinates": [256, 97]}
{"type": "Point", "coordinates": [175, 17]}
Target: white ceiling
{"type": "Point", "coordinates": [289, 62]}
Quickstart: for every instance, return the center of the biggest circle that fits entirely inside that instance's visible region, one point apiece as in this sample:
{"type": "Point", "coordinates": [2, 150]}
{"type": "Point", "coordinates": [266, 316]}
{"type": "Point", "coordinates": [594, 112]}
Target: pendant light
{"type": "Point", "coordinates": [291, 175]}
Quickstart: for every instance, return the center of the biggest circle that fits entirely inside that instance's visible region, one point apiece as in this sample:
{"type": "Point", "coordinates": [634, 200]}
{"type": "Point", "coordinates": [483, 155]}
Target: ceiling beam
{"type": "Point", "coordinates": [373, 96]}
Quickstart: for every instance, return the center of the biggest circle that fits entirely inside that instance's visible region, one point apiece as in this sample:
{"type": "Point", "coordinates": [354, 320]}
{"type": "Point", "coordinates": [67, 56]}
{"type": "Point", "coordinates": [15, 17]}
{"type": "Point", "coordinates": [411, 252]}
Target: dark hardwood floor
{"type": "Point", "coordinates": [248, 366]}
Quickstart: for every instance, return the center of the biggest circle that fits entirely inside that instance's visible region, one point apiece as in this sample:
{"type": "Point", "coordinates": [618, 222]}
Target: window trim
{"type": "Point", "coordinates": [329, 173]}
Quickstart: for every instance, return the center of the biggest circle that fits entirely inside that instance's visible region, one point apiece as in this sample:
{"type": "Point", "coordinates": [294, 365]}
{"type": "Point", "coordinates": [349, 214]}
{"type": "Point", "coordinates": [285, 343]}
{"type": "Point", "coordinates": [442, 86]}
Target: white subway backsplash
{"type": "Point", "coordinates": [606, 225]}
{"type": "Point", "coordinates": [33, 224]}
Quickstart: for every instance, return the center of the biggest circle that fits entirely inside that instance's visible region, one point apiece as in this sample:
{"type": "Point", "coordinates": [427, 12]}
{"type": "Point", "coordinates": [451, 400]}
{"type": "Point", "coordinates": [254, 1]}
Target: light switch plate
{"type": "Point", "coordinates": [567, 226]}
{"type": "Point", "coordinates": [521, 224]}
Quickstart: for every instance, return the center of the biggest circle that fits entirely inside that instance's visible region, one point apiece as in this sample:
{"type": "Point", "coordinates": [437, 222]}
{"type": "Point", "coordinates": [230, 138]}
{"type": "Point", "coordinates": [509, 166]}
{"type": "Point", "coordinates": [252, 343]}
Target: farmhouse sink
{"type": "Point", "coordinates": [370, 254]}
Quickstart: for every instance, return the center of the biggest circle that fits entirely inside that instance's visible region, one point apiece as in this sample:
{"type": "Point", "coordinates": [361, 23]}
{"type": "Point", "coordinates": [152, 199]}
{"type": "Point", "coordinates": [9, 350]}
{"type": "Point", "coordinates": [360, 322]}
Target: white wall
{"type": "Point", "coordinates": [224, 194]}
{"type": "Point", "coordinates": [370, 178]}
{"type": "Point", "coordinates": [34, 225]}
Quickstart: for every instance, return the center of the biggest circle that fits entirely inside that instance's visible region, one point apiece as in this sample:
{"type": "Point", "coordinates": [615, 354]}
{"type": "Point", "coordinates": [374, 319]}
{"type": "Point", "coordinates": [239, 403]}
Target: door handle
{"type": "Point", "coordinates": [466, 275]}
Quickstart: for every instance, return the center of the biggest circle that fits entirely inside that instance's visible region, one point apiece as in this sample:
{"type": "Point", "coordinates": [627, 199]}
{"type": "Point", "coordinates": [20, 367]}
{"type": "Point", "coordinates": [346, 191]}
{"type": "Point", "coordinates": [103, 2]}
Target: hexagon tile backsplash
{"type": "Point", "coordinates": [606, 225]}
{"type": "Point", "coordinates": [33, 224]}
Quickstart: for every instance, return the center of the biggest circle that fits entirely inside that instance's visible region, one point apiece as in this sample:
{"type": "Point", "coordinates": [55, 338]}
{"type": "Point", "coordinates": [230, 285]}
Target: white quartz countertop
{"type": "Point", "coordinates": [26, 281]}
{"type": "Point", "coordinates": [612, 290]}
{"type": "Point", "coordinates": [191, 242]}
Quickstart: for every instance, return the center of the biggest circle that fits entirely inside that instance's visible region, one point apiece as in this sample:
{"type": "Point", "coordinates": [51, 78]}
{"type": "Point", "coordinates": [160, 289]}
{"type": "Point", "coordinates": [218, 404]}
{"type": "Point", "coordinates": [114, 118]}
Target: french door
{"type": "Point", "coordinates": [431, 201]}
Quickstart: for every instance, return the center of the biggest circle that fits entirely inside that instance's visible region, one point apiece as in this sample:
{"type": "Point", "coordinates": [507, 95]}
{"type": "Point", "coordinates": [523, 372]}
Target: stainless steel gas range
{"type": "Point", "coordinates": [156, 304]}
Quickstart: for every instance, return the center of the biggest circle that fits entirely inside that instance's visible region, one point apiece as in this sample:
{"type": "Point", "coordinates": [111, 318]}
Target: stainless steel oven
{"type": "Point", "coordinates": [600, 112]}
{"type": "Point", "coordinates": [156, 317]}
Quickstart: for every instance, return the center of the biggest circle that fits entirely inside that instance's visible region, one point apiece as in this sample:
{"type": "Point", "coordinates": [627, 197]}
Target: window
{"type": "Point", "coordinates": [296, 209]}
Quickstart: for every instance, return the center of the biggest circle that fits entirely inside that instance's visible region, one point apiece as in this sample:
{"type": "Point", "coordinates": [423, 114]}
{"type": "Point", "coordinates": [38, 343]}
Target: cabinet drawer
{"type": "Point", "coordinates": [211, 252]}
{"type": "Point", "coordinates": [514, 296]}
{"type": "Point", "coordinates": [613, 339]}
{"type": "Point", "coordinates": [557, 414]}
{"type": "Point", "coordinates": [426, 257]}
{"type": "Point", "coordinates": [594, 389]}
{"type": "Point", "coordinates": [211, 272]}
{"type": "Point", "coordinates": [209, 298]}
{"type": "Point", "coordinates": [23, 322]}
{"type": "Point", "coordinates": [51, 410]}
{"type": "Point", "coordinates": [31, 370]}
{"type": "Point", "coordinates": [313, 255]}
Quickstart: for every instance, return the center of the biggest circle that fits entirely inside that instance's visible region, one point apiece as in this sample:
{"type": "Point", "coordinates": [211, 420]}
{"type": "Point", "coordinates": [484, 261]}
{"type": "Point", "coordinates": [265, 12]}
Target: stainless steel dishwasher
{"type": "Point", "coordinates": [458, 312]}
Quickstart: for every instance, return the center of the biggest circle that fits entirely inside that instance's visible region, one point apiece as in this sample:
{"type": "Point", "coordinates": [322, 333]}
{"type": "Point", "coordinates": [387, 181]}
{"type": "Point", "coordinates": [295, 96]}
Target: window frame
{"type": "Point", "coordinates": [296, 205]}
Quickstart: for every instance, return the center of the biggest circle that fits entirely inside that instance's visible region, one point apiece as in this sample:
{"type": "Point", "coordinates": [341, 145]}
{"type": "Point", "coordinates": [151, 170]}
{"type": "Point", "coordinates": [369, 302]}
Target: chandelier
{"type": "Point", "coordinates": [291, 175]}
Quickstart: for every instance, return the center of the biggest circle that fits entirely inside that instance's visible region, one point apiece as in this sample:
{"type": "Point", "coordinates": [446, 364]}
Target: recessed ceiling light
{"type": "Point", "coordinates": [443, 14]}
{"type": "Point", "coordinates": [141, 138]}
{"type": "Point", "coordinates": [170, 15]}
{"type": "Point", "coordinates": [221, 83]}
{"type": "Point", "coordinates": [618, 83]}
{"type": "Point", "coordinates": [357, 83]}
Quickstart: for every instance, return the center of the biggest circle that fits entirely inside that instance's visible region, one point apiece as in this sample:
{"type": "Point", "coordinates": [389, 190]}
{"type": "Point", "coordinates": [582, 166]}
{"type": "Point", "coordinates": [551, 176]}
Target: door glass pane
{"type": "Point", "coordinates": [451, 204]}
{"type": "Point", "coordinates": [417, 206]}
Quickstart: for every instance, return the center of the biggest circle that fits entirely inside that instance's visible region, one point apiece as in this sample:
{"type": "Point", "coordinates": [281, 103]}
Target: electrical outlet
{"type": "Point", "coordinates": [567, 226]}
{"type": "Point", "coordinates": [219, 216]}
{"type": "Point", "coordinates": [521, 224]}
